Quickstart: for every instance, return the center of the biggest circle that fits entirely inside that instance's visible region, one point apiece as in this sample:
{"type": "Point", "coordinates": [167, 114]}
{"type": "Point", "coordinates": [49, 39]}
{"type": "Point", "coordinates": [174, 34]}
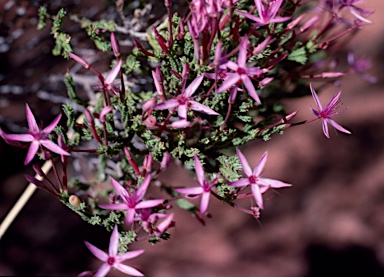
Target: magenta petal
{"type": "Point", "coordinates": [101, 255]}
{"type": "Point", "coordinates": [229, 82]}
{"type": "Point", "coordinates": [113, 73]}
{"type": "Point", "coordinates": [114, 242]}
{"type": "Point", "coordinates": [129, 255]}
{"type": "Point", "coordinates": [260, 165]}
{"type": "Point", "coordinates": [204, 202]}
{"type": "Point", "coordinates": [250, 16]}
{"type": "Point", "coordinates": [164, 225]}
{"type": "Point", "coordinates": [199, 170]}
{"type": "Point", "coordinates": [31, 152]}
{"type": "Point", "coordinates": [242, 59]}
{"type": "Point", "coordinates": [149, 203]}
{"type": "Point", "coordinates": [244, 163]}
{"type": "Point", "coordinates": [196, 106]}
{"type": "Point", "coordinates": [325, 127]}
{"type": "Point", "coordinates": [316, 98]}
{"type": "Point", "coordinates": [180, 124]}
{"type": "Point", "coordinates": [257, 194]}
{"type": "Point", "coordinates": [251, 89]}
{"type": "Point", "coordinates": [190, 191]}
{"type": "Point", "coordinates": [50, 127]}
{"type": "Point", "coordinates": [169, 104]}
{"type": "Point", "coordinates": [130, 216]}
{"type": "Point", "coordinates": [117, 207]}
{"type": "Point", "coordinates": [240, 183]}
{"type": "Point", "coordinates": [18, 137]}
{"type": "Point", "coordinates": [337, 126]}
{"type": "Point", "coordinates": [190, 90]}
{"type": "Point", "coordinates": [31, 120]}
{"type": "Point", "coordinates": [54, 147]}
{"type": "Point", "coordinates": [103, 270]}
{"type": "Point", "coordinates": [143, 187]}
{"type": "Point", "coordinates": [182, 112]}
{"type": "Point", "coordinates": [128, 270]}
{"type": "Point", "coordinates": [120, 189]}
{"type": "Point", "coordinates": [273, 183]}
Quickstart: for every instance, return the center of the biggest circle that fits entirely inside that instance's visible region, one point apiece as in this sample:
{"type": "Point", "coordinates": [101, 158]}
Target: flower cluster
{"type": "Point", "coordinates": [219, 75]}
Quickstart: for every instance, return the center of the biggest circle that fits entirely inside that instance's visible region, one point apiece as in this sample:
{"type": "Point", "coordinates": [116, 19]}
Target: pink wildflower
{"type": "Point", "coordinates": [112, 259]}
{"type": "Point", "coordinates": [204, 189]}
{"type": "Point", "coordinates": [37, 136]}
{"type": "Point", "coordinates": [258, 185]}
{"type": "Point", "coordinates": [326, 113]}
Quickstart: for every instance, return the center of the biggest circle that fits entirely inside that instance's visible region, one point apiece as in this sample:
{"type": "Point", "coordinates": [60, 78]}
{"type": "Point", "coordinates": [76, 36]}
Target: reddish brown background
{"type": "Point", "coordinates": [330, 223]}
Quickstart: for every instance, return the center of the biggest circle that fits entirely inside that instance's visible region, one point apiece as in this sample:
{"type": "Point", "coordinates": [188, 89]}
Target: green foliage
{"type": "Point", "coordinates": [43, 16]}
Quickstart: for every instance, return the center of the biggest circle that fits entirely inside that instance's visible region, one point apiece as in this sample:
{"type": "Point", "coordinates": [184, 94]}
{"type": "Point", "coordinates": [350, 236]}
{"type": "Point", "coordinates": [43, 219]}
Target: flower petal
{"type": "Point", "coordinates": [273, 183]}
{"type": "Point", "coordinates": [143, 187]}
{"type": "Point", "coordinates": [129, 255]}
{"type": "Point", "coordinates": [101, 255]}
{"type": "Point", "coordinates": [31, 151]}
{"type": "Point", "coordinates": [50, 127]}
{"type": "Point", "coordinates": [190, 90]}
{"type": "Point", "coordinates": [149, 203]}
{"type": "Point", "coordinates": [103, 270]}
{"type": "Point", "coordinates": [196, 106]}
{"type": "Point", "coordinates": [169, 104]}
{"type": "Point", "coordinates": [190, 191]}
{"type": "Point", "coordinates": [204, 202]}
{"type": "Point", "coordinates": [337, 126]}
{"type": "Point", "coordinates": [316, 98]}
{"type": "Point", "coordinates": [325, 127]}
{"type": "Point", "coordinates": [232, 79]}
{"type": "Point", "coordinates": [113, 73]}
{"type": "Point", "coordinates": [251, 89]}
{"type": "Point", "coordinates": [128, 270]}
{"type": "Point", "coordinates": [33, 128]}
{"type": "Point", "coordinates": [244, 163]}
{"type": "Point", "coordinates": [114, 242]}
{"type": "Point", "coordinates": [18, 137]}
{"type": "Point", "coordinates": [257, 194]}
{"type": "Point", "coordinates": [199, 170]}
{"type": "Point", "coordinates": [120, 189]}
{"type": "Point", "coordinates": [54, 147]}
{"type": "Point", "coordinates": [240, 183]}
{"type": "Point", "coordinates": [260, 165]}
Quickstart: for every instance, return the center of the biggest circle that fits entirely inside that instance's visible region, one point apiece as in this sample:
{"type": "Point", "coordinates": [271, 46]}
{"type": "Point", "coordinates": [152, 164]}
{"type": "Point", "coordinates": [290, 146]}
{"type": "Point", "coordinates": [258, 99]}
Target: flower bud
{"type": "Point", "coordinates": [74, 201]}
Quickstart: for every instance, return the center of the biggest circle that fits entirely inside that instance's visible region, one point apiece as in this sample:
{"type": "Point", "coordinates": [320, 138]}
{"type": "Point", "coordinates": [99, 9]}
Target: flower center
{"type": "Point", "coordinates": [182, 100]}
{"type": "Point", "coordinates": [241, 71]}
{"type": "Point", "coordinates": [111, 261]}
{"type": "Point", "coordinates": [252, 179]}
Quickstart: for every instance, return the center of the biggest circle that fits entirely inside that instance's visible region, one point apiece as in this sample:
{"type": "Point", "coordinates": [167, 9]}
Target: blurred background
{"type": "Point", "coordinates": [330, 223]}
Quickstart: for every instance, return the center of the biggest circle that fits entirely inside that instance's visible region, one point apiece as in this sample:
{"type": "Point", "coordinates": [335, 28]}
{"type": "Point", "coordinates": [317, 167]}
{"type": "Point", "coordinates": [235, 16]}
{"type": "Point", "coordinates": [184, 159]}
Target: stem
{"type": "Point", "coordinates": [28, 192]}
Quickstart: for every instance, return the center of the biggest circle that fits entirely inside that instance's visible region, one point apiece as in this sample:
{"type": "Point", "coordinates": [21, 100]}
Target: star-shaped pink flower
{"type": "Point", "coordinates": [267, 13]}
{"type": "Point", "coordinates": [37, 136]}
{"type": "Point", "coordinates": [326, 113]}
{"type": "Point", "coordinates": [204, 189]}
{"type": "Point", "coordinates": [183, 102]}
{"type": "Point", "coordinates": [242, 73]}
{"type": "Point", "coordinates": [132, 201]}
{"type": "Point", "coordinates": [258, 185]}
{"type": "Point", "coordinates": [112, 259]}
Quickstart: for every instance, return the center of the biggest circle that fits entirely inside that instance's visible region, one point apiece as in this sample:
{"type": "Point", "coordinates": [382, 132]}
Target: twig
{"type": "Point", "coordinates": [28, 192]}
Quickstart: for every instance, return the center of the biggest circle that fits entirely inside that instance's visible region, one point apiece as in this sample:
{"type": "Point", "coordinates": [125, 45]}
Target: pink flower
{"type": "Point", "coordinates": [112, 259]}
{"type": "Point", "coordinates": [132, 200]}
{"type": "Point", "coordinates": [204, 189]}
{"type": "Point", "coordinates": [267, 13]}
{"type": "Point", "coordinates": [258, 185]}
{"type": "Point", "coordinates": [37, 136]}
{"type": "Point", "coordinates": [326, 113]}
{"type": "Point", "coordinates": [183, 102]}
{"type": "Point", "coordinates": [242, 72]}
